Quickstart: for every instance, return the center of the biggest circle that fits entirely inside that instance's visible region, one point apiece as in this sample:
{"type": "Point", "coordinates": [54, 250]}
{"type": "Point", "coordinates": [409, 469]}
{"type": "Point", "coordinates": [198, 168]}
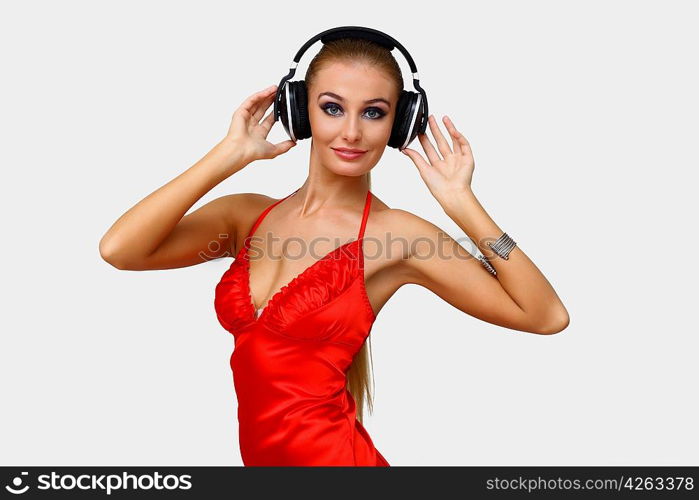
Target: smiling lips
{"type": "Point", "coordinates": [348, 154]}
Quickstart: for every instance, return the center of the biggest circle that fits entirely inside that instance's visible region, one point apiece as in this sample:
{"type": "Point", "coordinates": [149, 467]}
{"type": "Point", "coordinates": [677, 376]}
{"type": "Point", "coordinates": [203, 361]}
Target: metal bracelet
{"type": "Point", "coordinates": [502, 246]}
{"type": "Point", "coordinates": [487, 265]}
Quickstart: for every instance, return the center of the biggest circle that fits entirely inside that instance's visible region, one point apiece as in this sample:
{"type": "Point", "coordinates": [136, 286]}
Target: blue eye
{"type": "Point", "coordinates": [330, 106]}
{"type": "Point", "coordinates": [378, 112]}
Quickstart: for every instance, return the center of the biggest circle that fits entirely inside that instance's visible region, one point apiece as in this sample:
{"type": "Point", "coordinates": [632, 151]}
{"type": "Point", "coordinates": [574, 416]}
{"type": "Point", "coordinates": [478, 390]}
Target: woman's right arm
{"type": "Point", "coordinates": [155, 233]}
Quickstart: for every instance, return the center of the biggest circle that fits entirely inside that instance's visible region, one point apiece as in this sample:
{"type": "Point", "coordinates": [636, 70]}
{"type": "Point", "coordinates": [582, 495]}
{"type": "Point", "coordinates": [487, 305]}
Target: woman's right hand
{"type": "Point", "coordinates": [248, 135]}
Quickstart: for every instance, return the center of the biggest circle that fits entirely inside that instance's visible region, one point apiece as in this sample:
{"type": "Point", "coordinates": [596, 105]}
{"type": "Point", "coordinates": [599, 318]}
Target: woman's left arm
{"type": "Point", "coordinates": [449, 181]}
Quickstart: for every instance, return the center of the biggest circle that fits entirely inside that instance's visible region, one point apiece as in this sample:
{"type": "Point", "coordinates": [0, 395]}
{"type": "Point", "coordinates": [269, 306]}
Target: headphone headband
{"type": "Point", "coordinates": [352, 32]}
{"type": "Point", "coordinates": [370, 34]}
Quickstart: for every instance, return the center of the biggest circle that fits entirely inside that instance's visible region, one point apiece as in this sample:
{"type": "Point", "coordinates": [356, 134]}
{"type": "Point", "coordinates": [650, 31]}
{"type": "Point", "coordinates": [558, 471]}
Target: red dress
{"type": "Point", "coordinates": [290, 363]}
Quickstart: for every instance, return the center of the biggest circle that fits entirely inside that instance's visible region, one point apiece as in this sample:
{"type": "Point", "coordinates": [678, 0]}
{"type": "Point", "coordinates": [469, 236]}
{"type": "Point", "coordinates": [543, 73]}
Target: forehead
{"type": "Point", "coordinates": [354, 81]}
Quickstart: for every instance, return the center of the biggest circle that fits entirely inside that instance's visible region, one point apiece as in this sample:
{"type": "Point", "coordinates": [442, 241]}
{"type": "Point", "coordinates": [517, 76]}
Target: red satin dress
{"type": "Point", "coordinates": [290, 363]}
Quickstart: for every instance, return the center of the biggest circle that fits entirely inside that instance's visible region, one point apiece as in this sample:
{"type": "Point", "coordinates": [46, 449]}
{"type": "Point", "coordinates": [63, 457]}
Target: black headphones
{"type": "Point", "coordinates": [291, 100]}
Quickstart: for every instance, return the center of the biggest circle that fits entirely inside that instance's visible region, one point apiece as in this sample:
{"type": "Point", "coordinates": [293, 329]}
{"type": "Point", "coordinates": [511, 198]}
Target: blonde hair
{"type": "Point", "coordinates": [371, 53]}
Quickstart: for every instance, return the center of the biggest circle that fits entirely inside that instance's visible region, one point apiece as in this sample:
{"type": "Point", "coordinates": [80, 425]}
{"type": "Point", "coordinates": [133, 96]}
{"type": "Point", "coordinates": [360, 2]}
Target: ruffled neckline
{"type": "Point", "coordinates": [332, 280]}
{"type": "Point", "coordinates": [314, 288]}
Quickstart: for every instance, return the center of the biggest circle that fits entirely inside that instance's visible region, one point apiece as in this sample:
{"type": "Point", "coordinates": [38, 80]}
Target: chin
{"type": "Point", "coordinates": [353, 168]}
{"type": "Point", "coordinates": [348, 171]}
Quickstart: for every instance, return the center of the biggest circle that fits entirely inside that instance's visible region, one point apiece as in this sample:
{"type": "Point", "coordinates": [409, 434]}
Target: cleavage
{"type": "Point", "coordinates": [294, 249]}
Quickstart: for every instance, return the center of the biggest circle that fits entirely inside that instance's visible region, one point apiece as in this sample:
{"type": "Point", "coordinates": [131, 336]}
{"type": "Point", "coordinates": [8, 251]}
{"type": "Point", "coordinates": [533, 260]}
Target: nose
{"type": "Point", "coordinates": [351, 130]}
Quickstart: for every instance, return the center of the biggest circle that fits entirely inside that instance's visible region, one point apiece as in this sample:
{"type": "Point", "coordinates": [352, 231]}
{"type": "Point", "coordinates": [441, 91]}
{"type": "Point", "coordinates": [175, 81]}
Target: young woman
{"type": "Point", "coordinates": [301, 323]}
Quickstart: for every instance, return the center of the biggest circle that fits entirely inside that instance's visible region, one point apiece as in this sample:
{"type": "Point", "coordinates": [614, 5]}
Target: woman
{"type": "Point", "coordinates": [301, 324]}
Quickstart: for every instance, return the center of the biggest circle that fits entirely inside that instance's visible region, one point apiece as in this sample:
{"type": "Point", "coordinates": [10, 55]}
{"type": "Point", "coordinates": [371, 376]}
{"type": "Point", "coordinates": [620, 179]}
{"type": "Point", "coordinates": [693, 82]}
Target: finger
{"type": "Point", "coordinates": [457, 137]}
{"type": "Point", "coordinates": [267, 123]}
{"type": "Point", "coordinates": [452, 133]}
{"type": "Point", "coordinates": [283, 147]}
{"type": "Point", "coordinates": [429, 149]}
{"type": "Point", "coordinates": [442, 143]}
{"type": "Point", "coordinates": [250, 104]}
{"type": "Point", "coordinates": [263, 106]}
{"type": "Point", "coordinates": [417, 158]}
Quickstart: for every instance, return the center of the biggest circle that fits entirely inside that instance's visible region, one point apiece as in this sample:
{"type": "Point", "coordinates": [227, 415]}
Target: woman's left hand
{"type": "Point", "coordinates": [451, 173]}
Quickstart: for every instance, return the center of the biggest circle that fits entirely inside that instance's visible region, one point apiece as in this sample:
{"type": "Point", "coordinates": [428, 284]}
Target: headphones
{"type": "Point", "coordinates": [291, 100]}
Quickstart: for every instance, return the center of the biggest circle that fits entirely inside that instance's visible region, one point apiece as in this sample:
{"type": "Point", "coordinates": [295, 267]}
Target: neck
{"type": "Point", "coordinates": [315, 197]}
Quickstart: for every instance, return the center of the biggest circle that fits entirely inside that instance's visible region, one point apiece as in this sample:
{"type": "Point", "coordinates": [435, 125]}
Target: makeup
{"type": "Point", "coordinates": [346, 155]}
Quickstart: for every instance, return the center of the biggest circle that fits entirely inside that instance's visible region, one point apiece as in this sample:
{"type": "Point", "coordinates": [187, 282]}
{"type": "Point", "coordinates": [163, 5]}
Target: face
{"type": "Point", "coordinates": [350, 105]}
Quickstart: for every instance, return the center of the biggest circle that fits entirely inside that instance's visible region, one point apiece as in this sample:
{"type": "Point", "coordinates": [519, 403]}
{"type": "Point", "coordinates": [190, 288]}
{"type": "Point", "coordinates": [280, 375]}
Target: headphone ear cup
{"type": "Point", "coordinates": [299, 110]}
{"type": "Point", "coordinates": [283, 106]}
{"type": "Point", "coordinates": [419, 124]}
{"type": "Point", "coordinates": [402, 122]}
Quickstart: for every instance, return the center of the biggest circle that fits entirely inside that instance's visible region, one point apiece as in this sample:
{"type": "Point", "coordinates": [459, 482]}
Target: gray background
{"type": "Point", "coordinates": [583, 123]}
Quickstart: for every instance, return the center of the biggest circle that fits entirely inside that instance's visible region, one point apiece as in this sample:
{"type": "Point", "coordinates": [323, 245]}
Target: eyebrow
{"type": "Point", "coordinates": [340, 98]}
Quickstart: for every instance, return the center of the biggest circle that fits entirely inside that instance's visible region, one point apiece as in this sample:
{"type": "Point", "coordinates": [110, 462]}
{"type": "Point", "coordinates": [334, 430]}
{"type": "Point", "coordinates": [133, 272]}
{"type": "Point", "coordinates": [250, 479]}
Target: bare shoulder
{"type": "Point", "coordinates": [242, 210]}
{"type": "Point", "coordinates": [246, 202]}
{"type": "Point", "coordinates": [402, 224]}
{"type": "Point", "coordinates": [393, 236]}
{"type": "Point", "coordinates": [407, 223]}
{"type": "Point", "coordinates": [402, 238]}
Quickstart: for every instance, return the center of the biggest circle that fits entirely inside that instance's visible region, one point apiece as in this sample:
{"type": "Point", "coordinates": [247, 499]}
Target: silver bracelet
{"type": "Point", "coordinates": [487, 265]}
{"type": "Point", "coordinates": [502, 246]}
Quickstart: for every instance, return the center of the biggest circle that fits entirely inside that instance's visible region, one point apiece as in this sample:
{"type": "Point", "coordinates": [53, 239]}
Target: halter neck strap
{"type": "Point", "coordinates": [265, 212]}
{"type": "Point", "coordinates": [365, 216]}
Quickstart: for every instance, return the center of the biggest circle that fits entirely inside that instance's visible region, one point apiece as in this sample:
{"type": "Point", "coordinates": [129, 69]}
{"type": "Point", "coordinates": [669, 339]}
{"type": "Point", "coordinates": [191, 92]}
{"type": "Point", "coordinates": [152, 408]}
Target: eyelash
{"type": "Point", "coordinates": [333, 105]}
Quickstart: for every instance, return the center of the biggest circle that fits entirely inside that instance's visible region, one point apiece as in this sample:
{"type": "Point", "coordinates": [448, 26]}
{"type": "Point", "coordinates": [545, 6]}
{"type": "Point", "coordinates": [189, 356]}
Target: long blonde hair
{"type": "Point", "coordinates": [364, 51]}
